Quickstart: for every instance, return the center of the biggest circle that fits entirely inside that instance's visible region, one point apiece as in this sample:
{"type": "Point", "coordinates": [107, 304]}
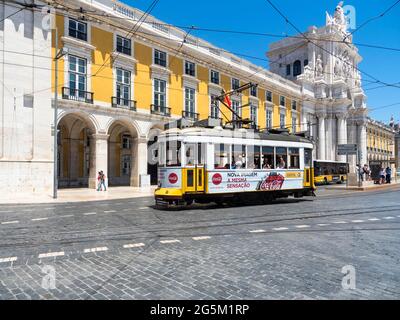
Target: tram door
{"type": "Point", "coordinates": [308, 170]}
{"type": "Point", "coordinates": [193, 173]}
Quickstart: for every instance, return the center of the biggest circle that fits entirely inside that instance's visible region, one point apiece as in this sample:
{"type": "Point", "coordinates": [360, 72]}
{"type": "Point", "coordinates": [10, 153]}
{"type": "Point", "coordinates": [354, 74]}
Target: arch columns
{"type": "Point", "coordinates": [98, 157]}
{"type": "Point", "coordinates": [341, 133]}
{"type": "Point", "coordinates": [139, 153]}
{"type": "Point", "coordinates": [321, 136]}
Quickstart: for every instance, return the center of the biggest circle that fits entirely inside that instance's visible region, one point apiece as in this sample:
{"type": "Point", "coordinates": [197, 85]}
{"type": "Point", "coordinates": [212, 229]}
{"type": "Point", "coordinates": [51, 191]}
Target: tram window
{"type": "Point", "coordinates": [294, 158]}
{"type": "Point", "coordinates": [173, 153]}
{"type": "Point", "coordinates": [268, 158]}
{"type": "Point", "coordinates": [307, 157]}
{"type": "Point", "coordinates": [221, 156]}
{"type": "Point", "coordinates": [161, 153]}
{"type": "Point", "coordinates": [238, 157]}
{"type": "Point", "coordinates": [253, 157]}
{"type": "Point", "coordinates": [281, 158]}
{"type": "Point", "coordinates": [201, 154]}
{"type": "Point", "coordinates": [190, 153]}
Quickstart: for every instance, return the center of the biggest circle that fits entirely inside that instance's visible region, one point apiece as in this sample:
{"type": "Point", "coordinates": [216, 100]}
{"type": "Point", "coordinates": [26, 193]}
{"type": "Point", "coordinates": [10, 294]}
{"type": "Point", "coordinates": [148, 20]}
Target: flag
{"type": "Point", "coordinates": [227, 100]}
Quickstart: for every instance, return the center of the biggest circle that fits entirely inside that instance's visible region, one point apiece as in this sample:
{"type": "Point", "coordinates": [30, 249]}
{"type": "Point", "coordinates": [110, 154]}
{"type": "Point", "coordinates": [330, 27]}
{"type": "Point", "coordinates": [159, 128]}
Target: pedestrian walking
{"type": "Point", "coordinates": [366, 172]}
{"type": "Point", "coordinates": [388, 175]}
{"type": "Point", "coordinates": [382, 176]}
{"type": "Point", "coordinates": [101, 179]}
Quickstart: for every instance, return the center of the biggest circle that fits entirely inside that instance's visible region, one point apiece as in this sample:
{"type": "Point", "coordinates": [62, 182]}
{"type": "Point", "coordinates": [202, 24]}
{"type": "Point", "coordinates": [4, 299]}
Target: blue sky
{"type": "Point", "coordinates": [258, 16]}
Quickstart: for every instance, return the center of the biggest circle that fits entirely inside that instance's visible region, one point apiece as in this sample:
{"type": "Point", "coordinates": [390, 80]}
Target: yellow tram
{"type": "Point", "coordinates": [213, 164]}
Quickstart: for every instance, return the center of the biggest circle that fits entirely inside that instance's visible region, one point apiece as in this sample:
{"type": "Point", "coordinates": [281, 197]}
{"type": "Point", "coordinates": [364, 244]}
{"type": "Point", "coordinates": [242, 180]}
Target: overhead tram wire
{"type": "Point", "coordinates": [251, 33]}
{"type": "Point", "coordinates": [322, 48]}
{"type": "Point", "coordinates": [173, 49]}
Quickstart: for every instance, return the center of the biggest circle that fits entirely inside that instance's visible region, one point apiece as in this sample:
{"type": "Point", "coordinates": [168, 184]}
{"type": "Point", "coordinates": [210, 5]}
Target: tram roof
{"type": "Point", "coordinates": [238, 133]}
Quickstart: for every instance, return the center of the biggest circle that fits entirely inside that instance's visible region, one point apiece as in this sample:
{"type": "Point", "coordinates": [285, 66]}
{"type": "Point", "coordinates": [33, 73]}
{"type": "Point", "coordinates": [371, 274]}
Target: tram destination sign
{"type": "Point", "coordinates": [347, 149]}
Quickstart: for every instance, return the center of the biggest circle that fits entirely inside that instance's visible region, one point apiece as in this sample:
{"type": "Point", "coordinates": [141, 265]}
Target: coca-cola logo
{"type": "Point", "coordinates": [173, 178]}
{"type": "Point", "coordinates": [217, 179]}
{"type": "Point", "coordinates": [273, 182]}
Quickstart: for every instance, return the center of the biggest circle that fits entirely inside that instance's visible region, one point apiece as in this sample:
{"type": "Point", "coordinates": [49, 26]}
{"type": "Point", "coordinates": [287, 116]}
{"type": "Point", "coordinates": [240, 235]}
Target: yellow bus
{"type": "Point", "coordinates": [326, 172]}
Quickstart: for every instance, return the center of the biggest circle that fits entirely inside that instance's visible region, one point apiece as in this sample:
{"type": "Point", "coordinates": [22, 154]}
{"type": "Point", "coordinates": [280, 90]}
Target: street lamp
{"type": "Point", "coordinates": [59, 54]}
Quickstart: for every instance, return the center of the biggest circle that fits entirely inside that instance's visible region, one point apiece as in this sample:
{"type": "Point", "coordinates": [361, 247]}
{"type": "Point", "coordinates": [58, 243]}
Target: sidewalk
{"type": "Point", "coordinates": [367, 186]}
{"type": "Point", "coordinates": [81, 195]}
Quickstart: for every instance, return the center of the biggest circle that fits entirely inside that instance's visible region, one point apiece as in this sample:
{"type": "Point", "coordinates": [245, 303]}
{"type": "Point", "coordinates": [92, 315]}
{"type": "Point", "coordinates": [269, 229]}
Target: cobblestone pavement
{"type": "Point", "coordinates": [125, 249]}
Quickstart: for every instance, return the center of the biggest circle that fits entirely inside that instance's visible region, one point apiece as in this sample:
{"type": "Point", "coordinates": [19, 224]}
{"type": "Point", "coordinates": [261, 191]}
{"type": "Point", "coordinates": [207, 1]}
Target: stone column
{"type": "Point", "coordinates": [139, 161]}
{"type": "Point", "coordinates": [98, 157]}
{"type": "Point", "coordinates": [362, 141]}
{"type": "Point", "coordinates": [321, 136]}
{"type": "Point", "coordinates": [341, 133]}
{"type": "Point", "coordinates": [329, 137]}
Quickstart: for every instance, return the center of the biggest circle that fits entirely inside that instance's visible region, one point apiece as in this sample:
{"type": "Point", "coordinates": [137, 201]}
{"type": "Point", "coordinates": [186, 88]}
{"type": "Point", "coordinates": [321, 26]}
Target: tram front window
{"type": "Point", "coordinates": [268, 158]}
{"type": "Point", "coordinates": [294, 154]}
{"type": "Point", "coordinates": [238, 157]}
{"type": "Point", "coordinates": [221, 156]}
{"type": "Point", "coordinates": [281, 158]}
{"type": "Point", "coordinates": [195, 154]}
{"type": "Point", "coordinates": [253, 157]}
{"type": "Point", "coordinates": [173, 150]}
{"type": "Point", "coordinates": [190, 152]}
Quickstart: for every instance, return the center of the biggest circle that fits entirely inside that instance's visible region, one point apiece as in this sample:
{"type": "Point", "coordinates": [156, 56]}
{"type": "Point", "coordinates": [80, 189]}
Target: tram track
{"type": "Point", "coordinates": [24, 238]}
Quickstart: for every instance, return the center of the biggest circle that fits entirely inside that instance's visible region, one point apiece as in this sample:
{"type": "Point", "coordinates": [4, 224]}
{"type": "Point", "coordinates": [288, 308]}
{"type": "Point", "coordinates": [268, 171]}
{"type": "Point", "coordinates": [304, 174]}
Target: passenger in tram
{"type": "Point", "coordinates": [266, 165]}
{"type": "Point", "coordinates": [281, 163]}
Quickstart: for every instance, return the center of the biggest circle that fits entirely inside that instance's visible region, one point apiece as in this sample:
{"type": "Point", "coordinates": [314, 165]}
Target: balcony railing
{"type": "Point", "coordinates": [77, 95]}
{"type": "Point", "coordinates": [162, 111]}
{"type": "Point", "coordinates": [190, 115]}
{"type": "Point", "coordinates": [121, 103]}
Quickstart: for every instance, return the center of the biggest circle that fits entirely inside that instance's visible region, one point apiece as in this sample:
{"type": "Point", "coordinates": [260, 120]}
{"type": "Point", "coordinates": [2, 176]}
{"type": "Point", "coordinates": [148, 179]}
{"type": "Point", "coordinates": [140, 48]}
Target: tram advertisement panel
{"type": "Point", "coordinates": [234, 181]}
{"type": "Point", "coordinates": [170, 178]}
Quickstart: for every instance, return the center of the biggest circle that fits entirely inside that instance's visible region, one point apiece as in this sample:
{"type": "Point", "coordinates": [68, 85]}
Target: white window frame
{"type": "Point", "coordinates": [67, 74]}
{"type": "Point", "coordinates": [254, 106]}
{"type": "Point", "coordinates": [219, 77]}
{"type": "Point", "coordinates": [116, 81]}
{"type": "Point", "coordinates": [232, 80]}
{"type": "Point", "coordinates": [211, 106]}
{"type": "Point", "coordinates": [195, 68]}
{"type": "Point", "coordinates": [154, 58]}
{"type": "Point", "coordinates": [116, 35]}
{"type": "Point", "coordinates": [267, 111]}
{"type": "Point", "coordinates": [88, 26]}
{"type": "Point", "coordinates": [239, 109]}
{"type": "Point", "coordinates": [194, 99]}
{"type": "Point", "coordinates": [166, 91]}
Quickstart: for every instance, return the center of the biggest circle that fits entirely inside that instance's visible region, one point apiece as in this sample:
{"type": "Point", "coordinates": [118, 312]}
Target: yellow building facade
{"type": "Point", "coordinates": [118, 87]}
{"type": "Point", "coordinates": [381, 143]}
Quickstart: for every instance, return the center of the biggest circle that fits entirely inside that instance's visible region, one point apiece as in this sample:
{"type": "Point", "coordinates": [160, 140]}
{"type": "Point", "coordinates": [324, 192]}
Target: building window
{"type": "Point", "coordinates": [123, 87]}
{"type": "Point", "coordinates": [288, 70]}
{"type": "Point", "coordinates": [253, 91]}
{"type": "Point", "coordinates": [282, 101]}
{"type": "Point", "coordinates": [77, 77]}
{"type": "Point", "coordinates": [77, 29]}
{"type": "Point", "coordinates": [190, 68]}
{"type": "Point", "coordinates": [190, 101]}
{"type": "Point", "coordinates": [282, 120]}
{"type": "Point", "coordinates": [269, 118]}
{"type": "Point", "coordinates": [214, 112]}
{"type": "Point", "coordinates": [214, 77]}
{"type": "Point", "coordinates": [268, 96]}
{"type": "Point", "coordinates": [294, 123]}
{"type": "Point", "coordinates": [160, 94]}
{"type": "Point", "coordinates": [126, 165]}
{"type": "Point", "coordinates": [236, 108]}
{"type": "Point", "coordinates": [296, 68]}
{"type": "Point", "coordinates": [126, 142]}
{"type": "Point", "coordinates": [235, 84]}
{"type": "Point", "coordinates": [306, 62]}
{"type": "Point", "coordinates": [124, 45]}
{"type": "Point", "coordinates": [160, 58]}
{"type": "Point", "coordinates": [253, 113]}
{"type": "Point", "coordinates": [294, 104]}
